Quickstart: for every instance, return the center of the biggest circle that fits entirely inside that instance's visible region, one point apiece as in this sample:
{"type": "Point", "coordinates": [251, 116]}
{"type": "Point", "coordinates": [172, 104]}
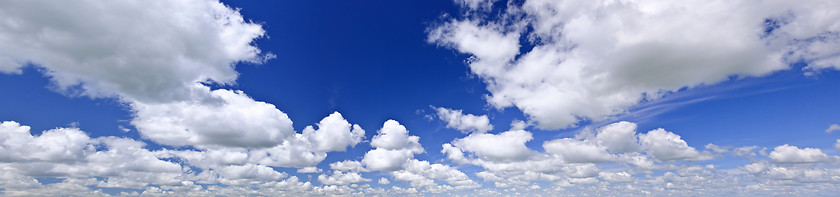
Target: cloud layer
{"type": "Point", "coordinates": [561, 62]}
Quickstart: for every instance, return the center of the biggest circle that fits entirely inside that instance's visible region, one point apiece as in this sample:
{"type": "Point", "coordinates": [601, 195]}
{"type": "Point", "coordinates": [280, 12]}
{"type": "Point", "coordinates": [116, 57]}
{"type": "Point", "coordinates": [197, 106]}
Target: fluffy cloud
{"type": "Point", "coordinates": [465, 123]}
{"type": "Point", "coordinates": [393, 148]}
{"type": "Point", "coordinates": [62, 144]}
{"type": "Point", "coordinates": [505, 146]}
{"type": "Point", "coordinates": [228, 118]}
{"type": "Point", "coordinates": [138, 50]}
{"type": "Point", "coordinates": [618, 137]}
{"type": "Point", "coordinates": [334, 134]}
{"type": "Point", "coordinates": [384, 181]}
{"type": "Point", "coordinates": [664, 145]}
{"type": "Point", "coordinates": [792, 154]}
{"type": "Point", "coordinates": [347, 165]}
{"type": "Point", "coordinates": [300, 150]}
{"type": "Point", "coordinates": [421, 174]}
{"type": "Point", "coordinates": [340, 178]}
{"type": "Point", "coordinates": [575, 151]}
{"type": "Point", "coordinates": [69, 152]}
{"type": "Point", "coordinates": [559, 76]}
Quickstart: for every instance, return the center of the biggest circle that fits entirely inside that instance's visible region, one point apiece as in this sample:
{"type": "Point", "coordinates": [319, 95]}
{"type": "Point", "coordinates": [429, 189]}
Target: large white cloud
{"type": "Point", "coordinates": [594, 59]}
{"type": "Point", "coordinates": [227, 118]}
{"type": "Point", "coordinates": [148, 51]}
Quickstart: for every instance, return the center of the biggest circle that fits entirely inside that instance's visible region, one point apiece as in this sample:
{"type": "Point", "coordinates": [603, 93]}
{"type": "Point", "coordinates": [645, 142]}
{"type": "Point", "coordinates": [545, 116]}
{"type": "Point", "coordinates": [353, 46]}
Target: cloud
{"type": "Point", "coordinates": [465, 123]}
{"type": "Point", "coordinates": [547, 57]}
{"type": "Point", "coordinates": [837, 145]}
{"type": "Point", "coordinates": [505, 146]}
{"type": "Point", "coordinates": [575, 151]}
{"type": "Point", "coordinates": [832, 128]}
{"type": "Point", "coordinates": [69, 152]}
{"type": "Point", "coordinates": [792, 154]}
{"type": "Point", "coordinates": [339, 178]}
{"type": "Point", "coordinates": [384, 181]}
{"type": "Point", "coordinates": [348, 165]}
{"type": "Point", "coordinates": [137, 50]}
{"type": "Point", "coordinates": [664, 145]}
{"type": "Point", "coordinates": [421, 174]}
{"type": "Point", "coordinates": [228, 118]}
{"type": "Point", "coordinates": [393, 148]}
{"type": "Point", "coordinates": [618, 137]}
{"type": "Point", "coordinates": [334, 134]}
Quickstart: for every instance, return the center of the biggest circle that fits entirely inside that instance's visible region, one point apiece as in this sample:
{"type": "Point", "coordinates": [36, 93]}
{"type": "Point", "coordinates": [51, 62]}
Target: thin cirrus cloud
{"type": "Point", "coordinates": [546, 58]}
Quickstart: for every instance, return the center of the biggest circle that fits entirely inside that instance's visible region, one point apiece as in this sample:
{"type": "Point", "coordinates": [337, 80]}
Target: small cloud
{"type": "Point", "coordinates": [832, 128]}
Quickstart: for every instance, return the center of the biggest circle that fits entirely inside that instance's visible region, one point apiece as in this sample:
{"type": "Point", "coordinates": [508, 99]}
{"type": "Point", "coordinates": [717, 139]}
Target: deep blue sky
{"type": "Point", "coordinates": [371, 61]}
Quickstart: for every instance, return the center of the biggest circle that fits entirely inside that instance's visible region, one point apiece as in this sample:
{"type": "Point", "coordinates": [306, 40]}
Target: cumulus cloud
{"type": "Point", "coordinates": [421, 174]}
{"type": "Point", "coordinates": [547, 57]}
{"type": "Point", "coordinates": [231, 118]}
{"type": "Point", "coordinates": [347, 165]}
{"type": "Point", "coordinates": [618, 137]}
{"type": "Point", "coordinates": [792, 154]}
{"type": "Point", "coordinates": [664, 145]}
{"type": "Point", "coordinates": [393, 148]}
{"type": "Point", "coordinates": [334, 134]}
{"type": "Point", "coordinates": [142, 51]}
{"type": "Point", "coordinates": [69, 152]}
{"type": "Point", "coordinates": [340, 178]}
{"type": "Point", "coordinates": [505, 146]}
{"type": "Point", "coordinates": [575, 151]}
{"type": "Point", "coordinates": [465, 123]}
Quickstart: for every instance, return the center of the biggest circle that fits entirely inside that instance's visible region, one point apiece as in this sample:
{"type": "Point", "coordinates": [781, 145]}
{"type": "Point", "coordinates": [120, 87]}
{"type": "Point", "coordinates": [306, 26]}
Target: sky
{"type": "Point", "coordinates": [419, 98]}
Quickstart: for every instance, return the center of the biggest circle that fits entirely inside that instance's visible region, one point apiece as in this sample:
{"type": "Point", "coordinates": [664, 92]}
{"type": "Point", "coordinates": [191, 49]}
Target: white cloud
{"type": "Point", "coordinates": [58, 145]}
{"type": "Point", "coordinates": [69, 152]}
{"type": "Point", "coordinates": [575, 151]}
{"type": "Point", "coordinates": [334, 134]}
{"type": "Point", "coordinates": [832, 128]}
{"type": "Point", "coordinates": [518, 125]}
{"type": "Point", "coordinates": [137, 50]}
{"type": "Point", "coordinates": [421, 173]}
{"type": "Point", "coordinates": [664, 145]}
{"type": "Point", "coordinates": [615, 176]}
{"type": "Point", "coordinates": [505, 146]}
{"type": "Point", "coordinates": [384, 181]}
{"type": "Point", "coordinates": [347, 165]}
{"type": "Point", "coordinates": [340, 178]}
{"type": "Point", "coordinates": [792, 154]}
{"type": "Point", "coordinates": [654, 48]}
{"type": "Point", "coordinates": [233, 174]}
{"type": "Point", "coordinates": [309, 170]}
{"type": "Point", "coordinates": [393, 148]}
{"type": "Point", "coordinates": [465, 123]}
{"type": "Point", "coordinates": [618, 137]}
{"type": "Point", "coordinates": [227, 118]}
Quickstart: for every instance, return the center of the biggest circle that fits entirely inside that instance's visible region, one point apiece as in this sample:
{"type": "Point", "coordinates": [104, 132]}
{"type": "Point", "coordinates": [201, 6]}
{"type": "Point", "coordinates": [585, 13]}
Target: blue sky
{"type": "Point", "coordinates": [490, 97]}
